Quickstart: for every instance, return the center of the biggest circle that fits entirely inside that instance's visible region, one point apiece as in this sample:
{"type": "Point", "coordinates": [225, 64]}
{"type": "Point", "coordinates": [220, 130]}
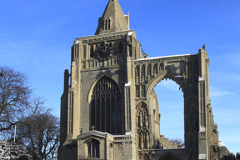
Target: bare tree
{"type": "Point", "coordinates": [180, 143]}
{"type": "Point", "coordinates": [16, 101]}
{"type": "Point", "coordinates": [41, 134]}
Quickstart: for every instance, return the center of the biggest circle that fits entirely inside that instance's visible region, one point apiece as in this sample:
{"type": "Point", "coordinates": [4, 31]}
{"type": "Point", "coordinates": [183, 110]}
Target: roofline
{"type": "Point", "coordinates": [143, 59]}
{"type": "Point", "coordinates": [107, 33]}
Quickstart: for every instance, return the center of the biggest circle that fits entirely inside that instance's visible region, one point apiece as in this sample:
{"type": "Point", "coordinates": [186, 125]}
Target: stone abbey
{"type": "Point", "coordinates": [109, 109]}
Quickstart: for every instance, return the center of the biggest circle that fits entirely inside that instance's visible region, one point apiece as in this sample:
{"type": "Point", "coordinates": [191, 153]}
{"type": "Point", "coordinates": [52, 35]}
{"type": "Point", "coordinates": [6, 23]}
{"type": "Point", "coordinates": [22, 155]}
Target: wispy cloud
{"type": "Point", "coordinates": [216, 92]}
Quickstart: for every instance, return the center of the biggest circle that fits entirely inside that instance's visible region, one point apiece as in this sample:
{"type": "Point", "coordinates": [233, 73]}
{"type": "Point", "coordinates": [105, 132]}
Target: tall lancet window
{"type": "Point", "coordinates": [107, 24]}
{"type": "Point", "coordinates": [105, 107]}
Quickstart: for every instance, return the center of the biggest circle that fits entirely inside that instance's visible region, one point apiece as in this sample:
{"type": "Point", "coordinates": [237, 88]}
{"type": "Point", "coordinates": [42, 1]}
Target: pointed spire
{"type": "Point", "coordinates": [113, 19]}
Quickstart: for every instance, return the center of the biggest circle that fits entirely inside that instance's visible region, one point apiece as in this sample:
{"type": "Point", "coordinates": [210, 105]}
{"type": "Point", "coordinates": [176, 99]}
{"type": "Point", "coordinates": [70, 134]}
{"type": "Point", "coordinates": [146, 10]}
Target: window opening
{"type": "Point", "coordinates": [106, 106]}
{"type": "Point", "coordinates": [91, 51]}
{"type": "Point", "coordinates": [120, 47]}
{"type": "Point", "coordinates": [93, 148]}
{"type": "Point", "coordinates": [107, 24]}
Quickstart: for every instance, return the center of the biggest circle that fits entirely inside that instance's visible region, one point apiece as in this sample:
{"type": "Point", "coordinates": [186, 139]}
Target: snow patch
{"type": "Point", "coordinates": [127, 84]}
{"type": "Point", "coordinates": [221, 144]}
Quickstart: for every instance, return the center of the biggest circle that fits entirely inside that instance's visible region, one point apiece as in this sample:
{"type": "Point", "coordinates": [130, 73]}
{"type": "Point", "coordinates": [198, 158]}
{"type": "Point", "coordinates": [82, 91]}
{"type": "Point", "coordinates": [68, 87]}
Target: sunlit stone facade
{"type": "Point", "coordinates": [109, 109]}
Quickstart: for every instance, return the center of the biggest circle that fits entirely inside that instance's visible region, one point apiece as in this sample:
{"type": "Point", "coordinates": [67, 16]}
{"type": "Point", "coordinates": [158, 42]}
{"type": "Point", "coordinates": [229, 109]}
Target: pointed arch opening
{"type": "Point", "coordinates": [105, 106]}
{"type": "Point", "coordinates": [171, 110]}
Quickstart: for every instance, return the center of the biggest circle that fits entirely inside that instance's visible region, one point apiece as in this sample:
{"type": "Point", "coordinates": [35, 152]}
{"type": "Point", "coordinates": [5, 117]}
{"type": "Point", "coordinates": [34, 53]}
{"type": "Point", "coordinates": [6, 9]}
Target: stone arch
{"type": "Point", "coordinates": [160, 78]}
{"type": "Point", "coordinates": [168, 156]}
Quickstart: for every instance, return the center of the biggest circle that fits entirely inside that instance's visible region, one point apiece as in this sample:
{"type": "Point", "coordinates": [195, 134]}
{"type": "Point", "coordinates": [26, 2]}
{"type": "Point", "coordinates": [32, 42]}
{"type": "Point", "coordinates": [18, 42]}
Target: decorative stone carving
{"type": "Point", "coordinates": [143, 127]}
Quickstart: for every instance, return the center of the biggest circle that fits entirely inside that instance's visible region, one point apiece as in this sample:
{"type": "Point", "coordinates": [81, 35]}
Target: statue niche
{"type": "Point", "coordinates": [143, 127]}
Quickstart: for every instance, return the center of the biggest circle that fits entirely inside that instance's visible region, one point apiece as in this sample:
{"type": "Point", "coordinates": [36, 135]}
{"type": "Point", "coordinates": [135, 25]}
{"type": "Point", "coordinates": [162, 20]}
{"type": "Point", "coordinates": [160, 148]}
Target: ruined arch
{"type": "Point", "coordinates": [160, 78]}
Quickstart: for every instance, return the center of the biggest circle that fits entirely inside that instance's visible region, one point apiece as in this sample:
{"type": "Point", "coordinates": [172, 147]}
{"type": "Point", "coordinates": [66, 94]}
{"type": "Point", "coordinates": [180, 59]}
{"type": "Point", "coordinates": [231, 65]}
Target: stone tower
{"type": "Point", "coordinates": [109, 109]}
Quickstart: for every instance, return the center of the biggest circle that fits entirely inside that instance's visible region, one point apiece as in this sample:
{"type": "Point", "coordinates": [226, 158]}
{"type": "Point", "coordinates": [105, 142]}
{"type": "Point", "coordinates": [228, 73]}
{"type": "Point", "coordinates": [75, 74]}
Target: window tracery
{"type": "Point", "coordinates": [106, 106]}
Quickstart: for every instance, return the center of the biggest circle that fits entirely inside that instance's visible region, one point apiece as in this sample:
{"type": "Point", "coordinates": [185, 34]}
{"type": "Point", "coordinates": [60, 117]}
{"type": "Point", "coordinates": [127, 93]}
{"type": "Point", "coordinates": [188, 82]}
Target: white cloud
{"type": "Point", "coordinates": [216, 92]}
{"type": "Point", "coordinates": [223, 76]}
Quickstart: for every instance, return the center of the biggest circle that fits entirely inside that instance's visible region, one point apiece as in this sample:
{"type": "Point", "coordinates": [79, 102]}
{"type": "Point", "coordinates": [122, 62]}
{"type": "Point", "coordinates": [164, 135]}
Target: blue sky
{"type": "Point", "coordinates": [36, 38]}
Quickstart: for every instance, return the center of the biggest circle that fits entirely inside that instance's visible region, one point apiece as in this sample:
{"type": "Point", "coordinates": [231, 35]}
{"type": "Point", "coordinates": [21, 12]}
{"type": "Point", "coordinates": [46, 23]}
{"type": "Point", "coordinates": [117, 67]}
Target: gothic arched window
{"type": "Point", "coordinates": [106, 106]}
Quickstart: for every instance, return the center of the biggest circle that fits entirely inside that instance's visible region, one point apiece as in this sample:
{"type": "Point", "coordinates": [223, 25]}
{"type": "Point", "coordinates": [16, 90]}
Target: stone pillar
{"type": "Point", "coordinates": [127, 107]}
{"type": "Point", "coordinates": [202, 134]}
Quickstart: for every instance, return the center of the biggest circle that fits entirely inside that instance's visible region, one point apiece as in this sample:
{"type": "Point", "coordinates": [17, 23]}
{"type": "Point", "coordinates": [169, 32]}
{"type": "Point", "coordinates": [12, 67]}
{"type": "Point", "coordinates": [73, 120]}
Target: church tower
{"type": "Point", "coordinates": [96, 103]}
{"type": "Point", "coordinates": [109, 109]}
